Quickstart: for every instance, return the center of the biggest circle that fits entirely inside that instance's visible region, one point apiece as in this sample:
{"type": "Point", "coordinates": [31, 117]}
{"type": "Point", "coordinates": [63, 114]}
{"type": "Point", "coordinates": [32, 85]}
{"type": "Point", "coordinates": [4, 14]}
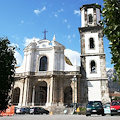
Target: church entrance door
{"type": "Point", "coordinates": [68, 95]}
{"type": "Point", "coordinates": [41, 93]}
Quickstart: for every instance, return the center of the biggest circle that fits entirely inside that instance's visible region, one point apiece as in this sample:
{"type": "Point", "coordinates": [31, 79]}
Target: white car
{"type": "Point", "coordinates": [107, 108]}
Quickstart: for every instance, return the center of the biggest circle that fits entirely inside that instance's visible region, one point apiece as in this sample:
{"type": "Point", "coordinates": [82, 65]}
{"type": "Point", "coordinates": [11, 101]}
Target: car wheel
{"type": "Point", "coordinates": [88, 114]}
{"type": "Point", "coordinates": [111, 114]}
{"type": "Point", "coordinates": [103, 114]}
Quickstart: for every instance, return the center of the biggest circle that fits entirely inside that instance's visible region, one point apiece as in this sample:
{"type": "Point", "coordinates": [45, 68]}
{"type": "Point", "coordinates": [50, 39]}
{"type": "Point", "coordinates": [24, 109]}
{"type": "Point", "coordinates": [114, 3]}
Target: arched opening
{"type": "Point", "coordinates": [92, 45]}
{"type": "Point", "coordinates": [16, 96]}
{"type": "Point", "coordinates": [68, 95]}
{"type": "Point", "coordinates": [90, 19]}
{"type": "Point", "coordinates": [41, 93]}
{"type": "Point", "coordinates": [43, 64]}
{"type": "Point", "coordinates": [93, 66]}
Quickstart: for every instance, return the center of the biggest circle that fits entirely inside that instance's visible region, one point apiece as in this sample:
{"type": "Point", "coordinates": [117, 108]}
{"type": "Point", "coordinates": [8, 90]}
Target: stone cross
{"type": "Point", "coordinates": [45, 33]}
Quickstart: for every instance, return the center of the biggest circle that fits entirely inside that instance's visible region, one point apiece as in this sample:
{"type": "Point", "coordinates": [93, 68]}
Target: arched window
{"type": "Point", "coordinates": [90, 18]}
{"type": "Point", "coordinates": [43, 64]}
{"type": "Point", "coordinates": [93, 66]}
{"type": "Point", "coordinates": [91, 41]}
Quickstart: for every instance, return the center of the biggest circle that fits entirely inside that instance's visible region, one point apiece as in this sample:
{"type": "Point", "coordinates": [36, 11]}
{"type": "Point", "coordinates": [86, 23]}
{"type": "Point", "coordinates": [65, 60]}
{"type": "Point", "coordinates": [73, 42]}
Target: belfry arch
{"type": "Point", "coordinates": [41, 93]}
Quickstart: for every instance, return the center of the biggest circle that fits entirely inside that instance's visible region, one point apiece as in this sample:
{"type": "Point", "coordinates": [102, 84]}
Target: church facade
{"type": "Point", "coordinates": [42, 79]}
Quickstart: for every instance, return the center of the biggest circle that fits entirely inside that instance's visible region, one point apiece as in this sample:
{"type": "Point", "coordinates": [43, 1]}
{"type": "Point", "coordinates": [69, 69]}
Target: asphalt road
{"type": "Point", "coordinates": [59, 117]}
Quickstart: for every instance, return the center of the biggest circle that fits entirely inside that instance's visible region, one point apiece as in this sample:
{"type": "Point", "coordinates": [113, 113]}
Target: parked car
{"type": "Point", "coordinates": [23, 110]}
{"type": "Point", "coordinates": [115, 107]}
{"type": "Point", "coordinates": [38, 110]}
{"type": "Point", "coordinates": [94, 107]}
{"type": "Point", "coordinates": [15, 109]}
{"type": "Point", "coordinates": [107, 108]}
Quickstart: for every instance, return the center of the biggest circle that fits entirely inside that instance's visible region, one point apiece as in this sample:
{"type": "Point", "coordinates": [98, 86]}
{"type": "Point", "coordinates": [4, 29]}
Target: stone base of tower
{"type": "Point", "coordinates": [98, 90]}
{"type": "Point", "coordinates": [105, 91]}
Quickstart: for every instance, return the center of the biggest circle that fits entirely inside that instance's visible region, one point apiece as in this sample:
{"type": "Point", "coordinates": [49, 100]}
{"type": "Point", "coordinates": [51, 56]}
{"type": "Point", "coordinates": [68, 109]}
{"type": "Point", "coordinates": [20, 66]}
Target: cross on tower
{"type": "Point", "coordinates": [45, 33]}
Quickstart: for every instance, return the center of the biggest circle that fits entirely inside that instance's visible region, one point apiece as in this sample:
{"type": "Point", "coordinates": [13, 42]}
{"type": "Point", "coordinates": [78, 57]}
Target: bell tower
{"type": "Point", "coordinates": [93, 62]}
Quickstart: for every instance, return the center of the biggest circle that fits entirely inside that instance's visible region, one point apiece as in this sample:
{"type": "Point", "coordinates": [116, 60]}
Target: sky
{"type": "Point", "coordinates": [22, 20]}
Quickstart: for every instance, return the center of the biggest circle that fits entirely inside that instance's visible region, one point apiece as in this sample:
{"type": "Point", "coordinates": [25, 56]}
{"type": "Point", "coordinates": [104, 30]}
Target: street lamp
{"type": "Point", "coordinates": [74, 79]}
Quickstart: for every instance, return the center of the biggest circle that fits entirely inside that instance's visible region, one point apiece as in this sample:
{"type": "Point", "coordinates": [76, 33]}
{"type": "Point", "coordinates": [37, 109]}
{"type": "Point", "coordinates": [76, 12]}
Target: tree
{"type": "Point", "coordinates": [7, 69]}
{"type": "Point", "coordinates": [111, 23]}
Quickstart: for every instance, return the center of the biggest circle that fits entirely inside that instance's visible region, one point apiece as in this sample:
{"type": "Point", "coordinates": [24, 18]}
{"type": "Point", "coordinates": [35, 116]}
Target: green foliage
{"type": "Point", "coordinates": [7, 65]}
{"type": "Point", "coordinates": [116, 98]}
{"type": "Point", "coordinates": [111, 23]}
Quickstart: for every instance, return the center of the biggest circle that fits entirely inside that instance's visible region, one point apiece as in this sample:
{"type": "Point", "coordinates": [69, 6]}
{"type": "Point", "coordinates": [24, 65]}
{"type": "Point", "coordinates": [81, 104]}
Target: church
{"type": "Point", "coordinates": [42, 79]}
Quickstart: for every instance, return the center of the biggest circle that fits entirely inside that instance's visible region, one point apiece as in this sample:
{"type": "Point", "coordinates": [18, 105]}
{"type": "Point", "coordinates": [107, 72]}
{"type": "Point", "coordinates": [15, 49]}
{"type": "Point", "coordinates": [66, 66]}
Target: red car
{"type": "Point", "coordinates": [115, 107]}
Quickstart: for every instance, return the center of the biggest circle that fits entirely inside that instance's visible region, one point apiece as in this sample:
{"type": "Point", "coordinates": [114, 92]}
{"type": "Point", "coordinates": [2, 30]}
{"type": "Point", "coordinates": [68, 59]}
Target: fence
{"type": "Point", "coordinates": [8, 112]}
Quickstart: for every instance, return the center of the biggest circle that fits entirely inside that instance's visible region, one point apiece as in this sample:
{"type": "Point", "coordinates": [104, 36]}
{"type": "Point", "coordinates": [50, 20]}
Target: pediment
{"type": "Point", "coordinates": [44, 43]}
{"type": "Point", "coordinates": [58, 44]}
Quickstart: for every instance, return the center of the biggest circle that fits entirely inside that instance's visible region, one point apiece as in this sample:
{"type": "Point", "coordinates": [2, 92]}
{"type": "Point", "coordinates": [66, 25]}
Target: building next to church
{"type": "Point", "coordinates": [43, 80]}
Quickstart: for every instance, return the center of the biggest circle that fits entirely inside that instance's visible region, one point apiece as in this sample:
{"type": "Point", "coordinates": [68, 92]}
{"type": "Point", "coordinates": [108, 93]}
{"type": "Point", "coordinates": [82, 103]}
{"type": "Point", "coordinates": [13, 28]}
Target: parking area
{"type": "Point", "coordinates": [59, 117]}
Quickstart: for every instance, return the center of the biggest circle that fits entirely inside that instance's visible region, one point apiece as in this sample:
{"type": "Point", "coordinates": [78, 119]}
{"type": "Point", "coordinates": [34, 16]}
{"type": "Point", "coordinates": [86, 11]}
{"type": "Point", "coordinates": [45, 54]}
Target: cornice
{"type": "Point", "coordinates": [90, 28]}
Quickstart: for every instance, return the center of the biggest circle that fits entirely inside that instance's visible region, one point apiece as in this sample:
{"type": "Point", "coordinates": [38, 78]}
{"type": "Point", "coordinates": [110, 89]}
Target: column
{"type": "Point", "coordinates": [74, 82]}
{"type": "Point", "coordinates": [51, 91]}
{"type": "Point", "coordinates": [61, 93]}
{"type": "Point", "coordinates": [75, 91]}
{"type": "Point", "coordinates": [48, 92]}
{"type": "Point", "coordinates": [85, 14]}
{"type": "Point", "coordinates": [25, 92]}
{"type": "Point", "coordinates": [94, 16]}
{"type": "Point", "coordinates": [33, 96]}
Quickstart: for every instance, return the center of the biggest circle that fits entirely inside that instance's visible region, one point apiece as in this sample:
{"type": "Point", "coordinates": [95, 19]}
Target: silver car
{"type": "Point", "coordinates": [23, 110]}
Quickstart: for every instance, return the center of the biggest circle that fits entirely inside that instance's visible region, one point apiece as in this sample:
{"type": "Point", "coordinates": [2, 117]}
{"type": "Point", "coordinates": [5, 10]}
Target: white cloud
{"type": "Point", "coordinates": [17, 55]}
{"type": "Point", "coordinates": [61, 10]}
{"type": "Point", "coordinates": [29, 40]}
{"type": "Point", "coordinates": [37, 11]}
{"type": "Point", "coordinates": [55, 15]}
{"type": "Point", "coordinates": [18, 58]}
{"type": "Point", "coordinates": [68, 36]}
{"type": "Point", "coordinates": [15, 37]}
{"type": "Point", "coordinates": [65, 21]}
{"type": "Point", "coordinates": [74, 35]}
{"type": "Point", "coordinates": [77, 12]}
{"type": "Point", "coordinates": [44, 8]}
{"type": "Point", "coordinates": [74, 56]}
{"type": "Point", "coordinates": [22, 21]}
{"type": "Point", "coordinates": [15, 45]}
{"type": "Point", "coordinates": [68, 26]}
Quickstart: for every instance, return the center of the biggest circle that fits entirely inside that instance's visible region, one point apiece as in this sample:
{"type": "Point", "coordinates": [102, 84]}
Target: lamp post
{"type": "Point", "coordinates": [74, 79]}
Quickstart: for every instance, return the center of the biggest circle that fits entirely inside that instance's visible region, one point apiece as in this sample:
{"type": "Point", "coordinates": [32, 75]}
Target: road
{"type": "Point", "coordinates": [59, 117]}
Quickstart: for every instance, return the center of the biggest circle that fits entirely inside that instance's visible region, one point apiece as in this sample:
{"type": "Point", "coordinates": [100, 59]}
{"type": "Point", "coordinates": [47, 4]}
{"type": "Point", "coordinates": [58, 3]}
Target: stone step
{"type": "Point", "coordinates": [56, 110]}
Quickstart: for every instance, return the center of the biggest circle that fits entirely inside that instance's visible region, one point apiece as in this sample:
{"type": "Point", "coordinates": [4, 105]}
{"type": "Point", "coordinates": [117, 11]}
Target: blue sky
{"type": "Point", "coordinates": [21, 20]}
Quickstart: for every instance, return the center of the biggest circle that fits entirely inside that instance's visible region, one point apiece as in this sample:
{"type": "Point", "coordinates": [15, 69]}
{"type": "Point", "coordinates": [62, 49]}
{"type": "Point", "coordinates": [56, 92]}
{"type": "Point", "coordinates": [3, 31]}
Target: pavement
{"type": "Point", "coordinates": [59, 117]}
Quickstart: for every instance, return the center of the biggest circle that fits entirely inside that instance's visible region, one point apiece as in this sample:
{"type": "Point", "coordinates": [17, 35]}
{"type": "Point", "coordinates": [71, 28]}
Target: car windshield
{"type": "Point", "coordinates": [94, 104]}
{"type": "Point", "coordinates": [116, 103]}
